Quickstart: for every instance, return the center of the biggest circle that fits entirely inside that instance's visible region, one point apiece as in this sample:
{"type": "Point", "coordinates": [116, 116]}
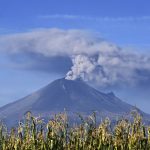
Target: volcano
{"type": "Point", "coordinates": [75, 96]}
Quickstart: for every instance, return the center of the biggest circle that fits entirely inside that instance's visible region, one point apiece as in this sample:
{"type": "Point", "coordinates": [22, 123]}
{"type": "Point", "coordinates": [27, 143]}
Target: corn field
{"type": "Point", "coordinates": [34, 134]}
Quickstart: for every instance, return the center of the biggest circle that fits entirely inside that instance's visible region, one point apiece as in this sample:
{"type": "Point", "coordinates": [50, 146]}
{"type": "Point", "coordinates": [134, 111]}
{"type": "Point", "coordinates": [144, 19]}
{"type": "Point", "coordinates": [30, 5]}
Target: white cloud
{"type": "Point", "coordinates": [91, 18]}
{"type": "Point", "coordinates": [93, 58]}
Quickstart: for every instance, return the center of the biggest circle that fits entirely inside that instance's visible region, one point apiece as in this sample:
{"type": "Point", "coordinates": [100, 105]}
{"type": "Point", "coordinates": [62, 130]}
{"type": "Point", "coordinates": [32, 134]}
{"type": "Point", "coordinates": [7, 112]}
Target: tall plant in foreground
{"type": "Point", "coordinates": [57, 134]}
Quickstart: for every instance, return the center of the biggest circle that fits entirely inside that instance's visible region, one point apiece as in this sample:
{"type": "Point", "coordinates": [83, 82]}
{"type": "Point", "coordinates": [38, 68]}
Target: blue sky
{"type": "Point", "coordinates": [121, 21]}
{"type": "Point", "coordinates": [125, 23]}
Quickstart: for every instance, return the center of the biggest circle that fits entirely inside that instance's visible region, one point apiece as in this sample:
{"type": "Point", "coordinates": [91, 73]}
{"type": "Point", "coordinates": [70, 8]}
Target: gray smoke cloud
{"type": "Point", "coordinates": [93, 58]}
{"type": "Point", "coordinates": [110, 68]}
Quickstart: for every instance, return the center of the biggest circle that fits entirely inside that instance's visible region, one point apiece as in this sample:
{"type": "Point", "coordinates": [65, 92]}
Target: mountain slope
{"type": "Point", "coordinates": [74, 96]}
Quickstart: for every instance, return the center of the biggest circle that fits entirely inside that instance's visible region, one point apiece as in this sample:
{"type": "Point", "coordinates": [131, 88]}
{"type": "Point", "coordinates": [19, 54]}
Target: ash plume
{"type": "Point", "coordinates": [93, 58]}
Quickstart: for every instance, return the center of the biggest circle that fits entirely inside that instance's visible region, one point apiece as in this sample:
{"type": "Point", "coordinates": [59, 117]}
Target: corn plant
{"type": "Point", "coordinates": [57, 134]}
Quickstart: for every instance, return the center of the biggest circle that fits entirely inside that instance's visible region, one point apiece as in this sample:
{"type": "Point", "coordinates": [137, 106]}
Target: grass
{"type": "Point", "coordinates": [35, 134]}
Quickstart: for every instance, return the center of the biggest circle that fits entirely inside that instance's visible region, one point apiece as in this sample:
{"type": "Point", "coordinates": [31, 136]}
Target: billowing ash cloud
{"type": "Point", "coordinates": [93, 59]}
{"type": "Point", "coordinates": [110, 68]}
{"type": "Point", "coordinates": [82, 67]}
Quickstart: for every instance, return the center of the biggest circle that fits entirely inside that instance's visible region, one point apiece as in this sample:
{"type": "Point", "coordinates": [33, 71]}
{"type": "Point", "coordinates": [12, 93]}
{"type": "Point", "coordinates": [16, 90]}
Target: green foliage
{"type": "Point", "coordinates": [35, 134]}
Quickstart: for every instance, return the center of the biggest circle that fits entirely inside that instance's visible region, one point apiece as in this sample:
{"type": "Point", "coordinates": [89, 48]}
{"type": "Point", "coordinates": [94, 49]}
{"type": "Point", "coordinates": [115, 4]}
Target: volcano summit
{"type": "Point", "coordinates": [75, 96]}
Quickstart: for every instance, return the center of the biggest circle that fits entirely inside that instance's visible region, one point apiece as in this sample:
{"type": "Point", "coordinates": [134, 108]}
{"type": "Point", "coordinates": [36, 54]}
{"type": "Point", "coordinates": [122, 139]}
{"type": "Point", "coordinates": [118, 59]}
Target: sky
{"type": "Point", "coordinates": [104, 42]}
